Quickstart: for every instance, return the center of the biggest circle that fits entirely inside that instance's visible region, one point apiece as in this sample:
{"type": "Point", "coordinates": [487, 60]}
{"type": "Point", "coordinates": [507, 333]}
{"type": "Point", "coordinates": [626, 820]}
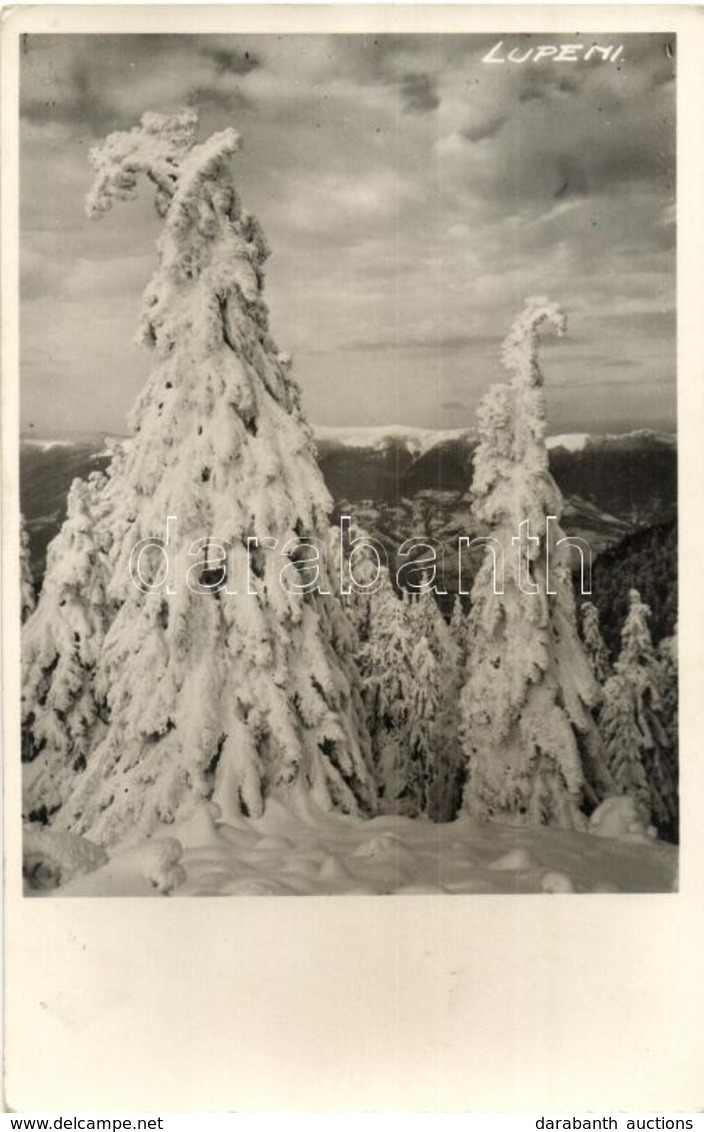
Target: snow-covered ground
{"type": "Point", "coordinates": [283, 854]}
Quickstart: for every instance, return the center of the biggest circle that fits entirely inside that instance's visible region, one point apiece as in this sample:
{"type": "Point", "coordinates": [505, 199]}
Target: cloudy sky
{"type": "Point", "coordinates": [412, 195]}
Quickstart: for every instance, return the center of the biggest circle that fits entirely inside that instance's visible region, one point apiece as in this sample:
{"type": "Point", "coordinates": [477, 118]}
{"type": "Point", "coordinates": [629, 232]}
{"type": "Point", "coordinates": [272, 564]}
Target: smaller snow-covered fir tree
{"type": "Point", "coordinates": [623, 738]}
{"type": "Point", "coordinates": [443, 762]}
{"type": "Point", "coordinates": [409, 670]}
{"type": "Point", "coordinates": [668, 657]}
{"type": "Point", "coordinates": [532, 748]}
{"type": "Point", "coordinates": [357, 570]}
{"type": "Point", "coordinates": [459, 629]}
{"type": "Point", "coordinates": [28, 598]}
{"type": "Point", "coordinates": [386, 662]}
{"type": "Point", "coordinates": [61, 646]}
{"type": "Point", "coordinates": [594, 644]}
{"type": "Point", "coordinates": [669, 673]}
{"type": "Point", "coordinates": [429, 622]}
{"type": "Point", "coordinates": [637, 746]}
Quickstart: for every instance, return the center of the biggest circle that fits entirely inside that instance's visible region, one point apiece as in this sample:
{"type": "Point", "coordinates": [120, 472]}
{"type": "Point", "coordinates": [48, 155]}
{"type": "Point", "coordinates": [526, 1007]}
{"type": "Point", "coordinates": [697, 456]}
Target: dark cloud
{"type": "Point", "coordinates": [630, 162]}
{"type": "Point", "coordinates": [664, 71]}
{"type": "Point", "coordinates": [419, 93]}
{"type": "Point", "coordinates": [214, 97]}
{"type": "Point", "coordinates": [541, 83]}
{"type": "Point", "coordinates": [378, 58]}
{"type": "Point", "coordinates": [572, 179]}
{"type": "Point", "coordinates": [609, 161]}
{"type": "Point", "coordinates": [34, 282]}
{"type": "Point", "coordinates": [455, 406]}
{"type": "Point", "coordinates": [79, 86]}
{"type": "Point", "coordinates": [390, 61]}
{"type": "Point", "coordinates": [230, 61]}
{"type": "Point", "coordinates": [386, 46]}
{"type": "Point", "coordinates": [72, 96]}
{"type": "Point", "coordinates": [662, 78]}
{"type": "Point", "coordinates": [485, 130]}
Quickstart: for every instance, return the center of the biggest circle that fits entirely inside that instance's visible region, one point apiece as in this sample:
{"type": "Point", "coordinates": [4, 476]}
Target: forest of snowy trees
{"type": "Point", "coordinates": [142, 702]}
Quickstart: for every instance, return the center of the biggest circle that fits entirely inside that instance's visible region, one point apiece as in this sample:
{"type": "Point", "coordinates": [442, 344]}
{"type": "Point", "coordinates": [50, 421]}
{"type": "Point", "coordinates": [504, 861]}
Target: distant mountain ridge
{"type": "Point", "coordinates": [418, 441]}
{"type": "Point", "coordinates": [401, 481]}
{"type": "Point", "coordinates": [632, 476]}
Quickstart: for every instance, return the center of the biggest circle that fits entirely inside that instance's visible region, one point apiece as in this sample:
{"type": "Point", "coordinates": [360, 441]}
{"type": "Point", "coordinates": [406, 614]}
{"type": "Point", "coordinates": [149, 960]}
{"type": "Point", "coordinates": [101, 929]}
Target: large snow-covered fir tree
{"type": "Point", "coordinates": [235, 696]}
{"type": "Point", "coordinates": [638, 748]}
{"type": "Point", "coordinates": [533, 752]}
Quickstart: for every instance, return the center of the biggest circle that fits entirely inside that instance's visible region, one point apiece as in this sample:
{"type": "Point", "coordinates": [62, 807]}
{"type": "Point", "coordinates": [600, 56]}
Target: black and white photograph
{"type": "Point", "coordinates": [348, 464]}
{"type": "Point", "coordinates": [352, 408]}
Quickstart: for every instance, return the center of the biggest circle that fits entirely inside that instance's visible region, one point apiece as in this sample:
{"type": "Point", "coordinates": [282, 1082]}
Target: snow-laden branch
{"type": "Point", "coordinates": [205, 229]}
{"type": "Point", "coordinates": [519, 351]}
{"type": "Point", "coordinates": [156, 148]}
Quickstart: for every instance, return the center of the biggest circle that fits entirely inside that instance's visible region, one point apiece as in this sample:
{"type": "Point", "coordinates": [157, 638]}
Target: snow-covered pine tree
{"type": "Point", "coordinates": [361, 567]}
{"type": "Point", "coordinates": [622, 740]}
{"type": "Point", "coordinates": [62, 709]}
{"type": "Point", "coordinates": [638, 748]}
{"type": "Point", "coordinates": [459, 629]}
{"type": "Point", "coordinates": [424, 739]}
{"type": "Point", "coordinates": [389, 680]}
{"type": "Point", "coordinates": [429, 621]}
{"type": "Point", "coordinates": [434, 711]}
{"type": "Point", "coordinates": [28, 599]}
{"type": "Point", "coordinates": [594, 644]}
{"type": "Point", "coordinates": [530, 741]}
{"type": "Point", "coordinates": [453, 764]}
{"type": "Point", "coordinates": [234, 696]}
{"type": "Point", "coordinates": [668, 657]}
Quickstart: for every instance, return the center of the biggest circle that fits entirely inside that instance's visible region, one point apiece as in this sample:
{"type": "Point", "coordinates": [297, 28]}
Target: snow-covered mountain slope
{"type": "Point", "coordinates": [46, 445]}
{"type": "Point", "coordinates": [418, 441]}
{"type": "Point", "coordinates": [415, 441]}
{"type": "Point", "coordinates": [612, 485]}
{"type": "Point", "coordinates": [632, 477]}
{"type": "Point", "coordinates": [317, 854]}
